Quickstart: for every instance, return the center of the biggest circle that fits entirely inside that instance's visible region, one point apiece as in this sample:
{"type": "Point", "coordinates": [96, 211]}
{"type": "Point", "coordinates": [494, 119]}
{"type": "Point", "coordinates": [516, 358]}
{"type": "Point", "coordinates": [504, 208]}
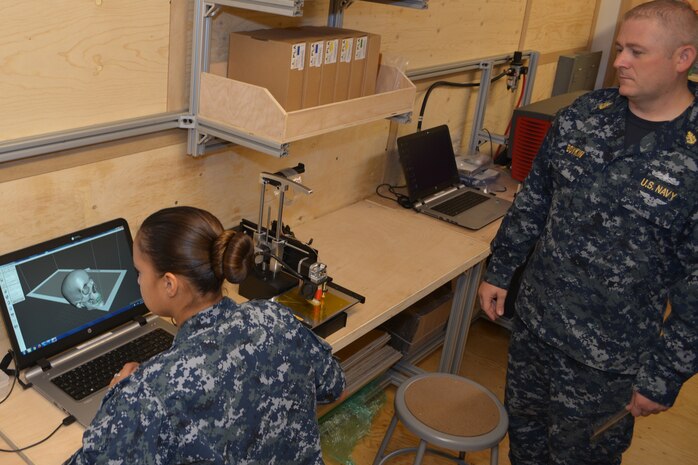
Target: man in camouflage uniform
{"type": "Point", "coordinates": [610, 213]}
{"type": "Point", "coordinates": [238, 386]}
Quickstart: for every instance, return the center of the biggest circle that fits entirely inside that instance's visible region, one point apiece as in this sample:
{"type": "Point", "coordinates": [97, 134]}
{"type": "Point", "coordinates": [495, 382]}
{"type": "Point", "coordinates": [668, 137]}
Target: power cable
{"type": "Point", "coordinates": [67, 421]}
{"type": "Point", "coordinates": [400, 198]}
{"type": "Point", "coordinates": [449, 84]}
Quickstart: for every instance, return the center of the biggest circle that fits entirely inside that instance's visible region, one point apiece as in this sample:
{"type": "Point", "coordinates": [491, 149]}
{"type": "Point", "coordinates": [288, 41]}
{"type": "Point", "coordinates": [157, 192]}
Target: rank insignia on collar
{"type": "Point", "coordinates": [690, 138]}
{"type": "Point", "coordinates": [604, 105]}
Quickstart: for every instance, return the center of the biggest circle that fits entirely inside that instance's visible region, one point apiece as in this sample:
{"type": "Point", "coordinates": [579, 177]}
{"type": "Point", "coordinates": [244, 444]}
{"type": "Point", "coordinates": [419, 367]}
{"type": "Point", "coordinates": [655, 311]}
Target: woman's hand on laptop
{"type": "Point", "coordinates": [125, 371]}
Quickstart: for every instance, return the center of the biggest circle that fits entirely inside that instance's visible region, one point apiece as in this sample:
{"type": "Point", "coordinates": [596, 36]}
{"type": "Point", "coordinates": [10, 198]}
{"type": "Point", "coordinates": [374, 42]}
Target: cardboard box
{"type": "Point", "coordinates": [364, 69]}
{"type": "Point", "coordinates": [272, 59]}
{"type": "Point", "coordinates": [329, 70]}
{"type": "Point", "coordinates": [313, 76]}
{"type": "Point", "coordinates": [410, 348]}
{"type": "Point", "coordinates": [421, 321]}
{"type": "Point", "coordinates": [315, 39]}
{"type": "Point", "coordinates": [337, 64]}
{"type": "Point", "coordinates": [346, 54]}
{"type": "Point", "coordinates": [332, 38]}
{"type": "Point", "coordinates": [372, 65]}
{"type": "Point", "coordinates": [359, 59]}
{"type": "Point", "coordinates": [358, 65]}
{"type": "Point", "coordinates": [338, 60]}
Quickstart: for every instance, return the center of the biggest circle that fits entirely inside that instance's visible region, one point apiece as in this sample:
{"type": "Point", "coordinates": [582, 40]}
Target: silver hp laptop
{"type": "Point", "coordinates": [74, 315]}
{"type": "Point", "coordinates": [434, 186]}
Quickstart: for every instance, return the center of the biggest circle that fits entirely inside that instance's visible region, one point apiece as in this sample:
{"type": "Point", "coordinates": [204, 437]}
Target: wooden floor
{"type": "Point", "coordinates": [670, 438]}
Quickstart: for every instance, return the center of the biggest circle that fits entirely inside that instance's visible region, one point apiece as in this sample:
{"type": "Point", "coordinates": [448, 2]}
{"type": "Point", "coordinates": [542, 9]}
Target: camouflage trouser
{"type": "Point", "coordinates": [554, 403]}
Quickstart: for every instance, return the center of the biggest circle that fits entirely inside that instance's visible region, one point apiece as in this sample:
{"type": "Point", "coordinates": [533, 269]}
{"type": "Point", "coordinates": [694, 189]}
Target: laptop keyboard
{"type": "Point", "coordinates": [96, 374]}
{"type": "Point", "coordinates": [460, 203]}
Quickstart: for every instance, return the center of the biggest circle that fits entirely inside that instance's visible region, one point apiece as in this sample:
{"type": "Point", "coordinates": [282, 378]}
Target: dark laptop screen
{"type": "Point", "coordinates": [428, 162]}
{"type": "Point", "coordinates": [65, 291]}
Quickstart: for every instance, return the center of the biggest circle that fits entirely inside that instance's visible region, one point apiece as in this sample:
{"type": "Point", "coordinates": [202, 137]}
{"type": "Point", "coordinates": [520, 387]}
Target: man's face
{"type": "Point", "coordinates": [644, 60]}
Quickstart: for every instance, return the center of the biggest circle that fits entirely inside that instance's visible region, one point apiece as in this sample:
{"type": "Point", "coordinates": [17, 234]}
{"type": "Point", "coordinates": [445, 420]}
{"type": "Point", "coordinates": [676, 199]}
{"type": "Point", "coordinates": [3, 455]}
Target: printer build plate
{"type": "Point", "coordinates": [324, 317]}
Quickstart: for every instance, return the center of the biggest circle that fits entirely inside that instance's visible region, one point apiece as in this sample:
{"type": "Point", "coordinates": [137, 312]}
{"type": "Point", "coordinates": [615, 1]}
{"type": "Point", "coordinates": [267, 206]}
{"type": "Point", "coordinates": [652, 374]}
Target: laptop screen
{"type": "Point", "coordinates": [62, 292]}
{"type": "Point", "coordinates": [428, 162]}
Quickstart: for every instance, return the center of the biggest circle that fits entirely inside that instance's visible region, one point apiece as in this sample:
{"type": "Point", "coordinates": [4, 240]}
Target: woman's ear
{"type": "Point", "coordinates": [171, 284]}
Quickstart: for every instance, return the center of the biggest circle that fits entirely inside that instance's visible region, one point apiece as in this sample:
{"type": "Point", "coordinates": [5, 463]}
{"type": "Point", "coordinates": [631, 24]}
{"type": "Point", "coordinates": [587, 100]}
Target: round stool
{"type": "Point", "coordinates": [448, 411]}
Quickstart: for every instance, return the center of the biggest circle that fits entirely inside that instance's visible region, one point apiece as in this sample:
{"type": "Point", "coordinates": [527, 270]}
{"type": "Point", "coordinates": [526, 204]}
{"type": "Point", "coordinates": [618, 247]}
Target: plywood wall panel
{"type": "Point", "coordinates": [545, 77]}
{"type": "Point", "coordinates": [555, 25]}
{"type": "Point", "coordinates": [449, 31]}
{"type": "Point", "coordinates": [180, 53]}
{"type": "Point", "coordinates": [80, 63]}
{"type": "Point", "coordinates": [341, 170]}
{"type": "Point", "coordinates": [76, 63]}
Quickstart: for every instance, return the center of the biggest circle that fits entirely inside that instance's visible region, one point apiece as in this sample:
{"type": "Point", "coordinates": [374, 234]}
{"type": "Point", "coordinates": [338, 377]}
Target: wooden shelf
{"type": "Point", "coordinates": [252, 110]}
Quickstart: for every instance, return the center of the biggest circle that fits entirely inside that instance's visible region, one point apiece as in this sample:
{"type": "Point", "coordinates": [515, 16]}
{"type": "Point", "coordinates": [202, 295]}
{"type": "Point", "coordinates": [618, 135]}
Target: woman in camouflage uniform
{"type": "Point", "coordinates": [239, 384]}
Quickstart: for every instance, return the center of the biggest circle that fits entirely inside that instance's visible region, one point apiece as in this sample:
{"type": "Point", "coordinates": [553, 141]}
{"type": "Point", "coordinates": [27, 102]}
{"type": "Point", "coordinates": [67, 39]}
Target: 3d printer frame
{"type": "Point", "coordinates": [288, 270]}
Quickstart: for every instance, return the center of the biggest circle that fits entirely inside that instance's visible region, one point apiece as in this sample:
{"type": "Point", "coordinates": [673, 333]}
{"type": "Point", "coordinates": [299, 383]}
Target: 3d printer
{"type": "Point", "coordinates": [287, 270]}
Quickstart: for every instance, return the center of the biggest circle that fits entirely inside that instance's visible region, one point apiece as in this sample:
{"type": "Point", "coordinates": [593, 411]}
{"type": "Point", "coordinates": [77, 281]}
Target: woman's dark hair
{"type": "Point", "coordinates": [192, 243]}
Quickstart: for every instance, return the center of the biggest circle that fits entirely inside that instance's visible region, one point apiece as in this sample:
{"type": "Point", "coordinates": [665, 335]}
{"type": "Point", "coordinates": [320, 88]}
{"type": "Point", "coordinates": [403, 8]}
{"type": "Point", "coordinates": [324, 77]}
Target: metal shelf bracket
{"type": "Point", "coordinates": [335, 17]}
{"type": "Point", "coordinates": [278, 7]}
{"type": "Point", "coordinates": [213, 129]}
{"type": "Point", "coordinates": [187, 122]}
{"type": "Point", "coordinates": [418, 4]}
{"type": "Point", "coordinates": [404, 118]}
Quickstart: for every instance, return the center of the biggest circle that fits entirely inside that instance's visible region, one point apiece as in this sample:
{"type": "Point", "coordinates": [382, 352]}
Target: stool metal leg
{"type": "Point", "coordinates": [386, 440]}
{"type": "Point", "coordinates": [494, 455]}
{"type": "Point", "coordinates": [420, 452]}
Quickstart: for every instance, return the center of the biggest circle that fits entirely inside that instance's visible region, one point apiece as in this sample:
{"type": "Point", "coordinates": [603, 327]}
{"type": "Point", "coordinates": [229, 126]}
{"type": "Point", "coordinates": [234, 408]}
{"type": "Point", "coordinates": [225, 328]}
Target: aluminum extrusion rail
{"type": "Point", "coordinates": [279, 7]}
{"type": "Point", "coordinates": [228, 134]}
{"type": "Point", "coordinates": [39, 145]}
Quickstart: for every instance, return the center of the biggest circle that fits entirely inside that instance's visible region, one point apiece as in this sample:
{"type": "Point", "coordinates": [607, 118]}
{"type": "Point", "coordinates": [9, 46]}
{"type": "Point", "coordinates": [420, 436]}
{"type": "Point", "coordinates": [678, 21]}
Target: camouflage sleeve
{"type": "Point", "coordinates": [329, 376]}
{"type": "Point", "coordinates": [128, 427]}
{"type": "Point", "coordinates": [525, 220]}
{"type": "Point", "coordinates": [675, 356]}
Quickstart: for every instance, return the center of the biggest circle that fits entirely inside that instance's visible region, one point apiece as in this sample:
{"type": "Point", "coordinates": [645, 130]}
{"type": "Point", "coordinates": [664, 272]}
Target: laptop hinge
{"type": "Point", "coordinates": [140, 319]}
{"type": "Point", "coordinates": [438, 195]}
{"type": "Point", "coordinates": [44, 364]}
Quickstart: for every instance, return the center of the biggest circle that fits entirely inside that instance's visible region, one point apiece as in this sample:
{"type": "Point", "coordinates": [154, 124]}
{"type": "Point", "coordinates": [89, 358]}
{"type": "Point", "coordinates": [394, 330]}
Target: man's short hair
{"type": "Point", "coordinates": [677, 17]}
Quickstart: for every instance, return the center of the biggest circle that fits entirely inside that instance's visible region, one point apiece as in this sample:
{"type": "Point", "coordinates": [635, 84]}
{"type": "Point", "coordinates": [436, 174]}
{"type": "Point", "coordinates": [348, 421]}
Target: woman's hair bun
{"type": "Point", "coordinates": [232, 255]}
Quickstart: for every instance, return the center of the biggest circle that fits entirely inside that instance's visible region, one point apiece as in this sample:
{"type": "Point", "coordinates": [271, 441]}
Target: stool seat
{"type": "Point", "coordinates": [448, 411]}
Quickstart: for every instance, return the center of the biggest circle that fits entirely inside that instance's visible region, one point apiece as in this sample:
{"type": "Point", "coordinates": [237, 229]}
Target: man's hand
{"type": "Point", "coordinates": [642, 406]}
{"type": "Point", "coordinates": [492, 300]}
{"type": "Point", "coordinates": [125, 371]}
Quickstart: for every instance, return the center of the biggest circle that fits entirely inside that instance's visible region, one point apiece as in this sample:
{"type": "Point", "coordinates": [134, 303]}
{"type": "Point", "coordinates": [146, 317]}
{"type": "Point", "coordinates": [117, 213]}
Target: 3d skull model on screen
{"type": "Point", "coordinates": [81, 291]}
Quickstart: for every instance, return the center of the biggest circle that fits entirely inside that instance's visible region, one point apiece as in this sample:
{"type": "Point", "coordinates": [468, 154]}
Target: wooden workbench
{"type": "Point", "coordinates": [393, 257]}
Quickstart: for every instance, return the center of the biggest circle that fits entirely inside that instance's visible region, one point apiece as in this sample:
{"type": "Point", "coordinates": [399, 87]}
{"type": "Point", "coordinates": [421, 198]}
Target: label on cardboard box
{"type": "Point", "coordinates": [316, 54]}
{"type": "Point", "coordinates": [329, 71]}
{"type": "Point", "coordinates": [331, 49]}
{"type": "Point", "coordinates": [298, 56]}
{"type": "Point", "coordinates": [347, 46]}
{"type": "Point", "coordinates": [361, 48]}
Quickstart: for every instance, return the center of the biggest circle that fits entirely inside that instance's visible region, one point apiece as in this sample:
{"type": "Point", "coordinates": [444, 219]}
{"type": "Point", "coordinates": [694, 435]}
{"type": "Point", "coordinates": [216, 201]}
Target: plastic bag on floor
{"type": "Point", "coordinates": [343, 427]}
